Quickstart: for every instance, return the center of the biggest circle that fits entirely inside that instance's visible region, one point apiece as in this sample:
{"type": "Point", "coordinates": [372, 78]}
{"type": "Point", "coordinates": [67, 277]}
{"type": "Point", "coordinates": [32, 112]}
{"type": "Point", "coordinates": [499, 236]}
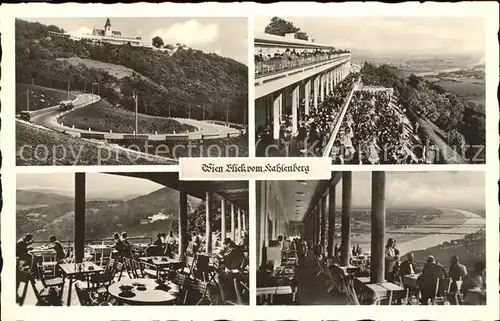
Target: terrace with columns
{"type": "Point", "coordinates": [194, 276]}
{"type": "Point", "coordinates": [293, 79]}
{"type": "Point", "coordinates": [305, 210]}
{"type": "Point", "coordinates": [306, 256]}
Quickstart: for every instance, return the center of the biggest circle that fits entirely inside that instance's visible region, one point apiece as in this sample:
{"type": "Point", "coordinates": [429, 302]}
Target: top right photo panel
{"type": "Point", "coordinates": [386, 90]}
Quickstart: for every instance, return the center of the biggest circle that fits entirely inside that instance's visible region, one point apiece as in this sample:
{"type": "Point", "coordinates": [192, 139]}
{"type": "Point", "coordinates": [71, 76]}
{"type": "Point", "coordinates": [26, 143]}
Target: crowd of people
{"type": "Point", "coordinates": [376, 131]}
{"type": "Point", "coordinates": [291, 58]}
{"type": "Point", "coordinates": [461, 280]}
{"type": "Point", "coordinates": [372, 132]}
{"type": "Point", "coordinates": [426, 273]}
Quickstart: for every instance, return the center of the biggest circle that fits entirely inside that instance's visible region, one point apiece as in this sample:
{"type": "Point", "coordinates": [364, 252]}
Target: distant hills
{"type": "Point", "coordinates": [54, 214]}
{"type": "Point", "coordinates": [45, 196]}
{"type": "Point", "coordinates": [32, 197]}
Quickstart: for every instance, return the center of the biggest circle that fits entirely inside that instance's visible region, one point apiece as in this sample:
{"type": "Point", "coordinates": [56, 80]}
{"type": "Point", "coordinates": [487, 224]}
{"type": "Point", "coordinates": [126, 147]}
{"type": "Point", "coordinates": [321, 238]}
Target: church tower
{"type": "Point", "coordinates": [107, 28]}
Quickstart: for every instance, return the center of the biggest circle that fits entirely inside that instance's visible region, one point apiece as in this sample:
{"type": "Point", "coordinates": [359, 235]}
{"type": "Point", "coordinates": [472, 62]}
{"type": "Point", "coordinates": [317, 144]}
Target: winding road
{"type": "Point", "coordinates": [205, 130]}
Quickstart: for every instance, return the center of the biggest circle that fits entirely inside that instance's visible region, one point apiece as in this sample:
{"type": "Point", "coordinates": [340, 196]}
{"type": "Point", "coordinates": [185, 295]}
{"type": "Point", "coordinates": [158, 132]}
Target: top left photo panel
{"type": "Point", "coordinates": [130, 91]}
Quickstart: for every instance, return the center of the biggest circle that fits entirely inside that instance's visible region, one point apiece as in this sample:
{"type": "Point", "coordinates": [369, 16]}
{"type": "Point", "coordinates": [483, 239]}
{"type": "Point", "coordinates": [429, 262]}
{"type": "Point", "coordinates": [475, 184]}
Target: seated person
{"type": "Point", "coordinates": [286, 245]}
{"type": "Point", "coordinates": [475, 280]}
{"type": "Point", "coordinates": [231, 257]}
{"type": "Point", "coordinates": [57, 246]}
{"type": "Point", "coordinates": [408, 266]}
{"type": "Point", "coordinates": [127, 247]}
{"type": "Point", "coordinates": [457, 271]}
{"type": "Point", "coordinates": [427, 281]}
{"type": "Point", "coordinates": [196, 240]}
{"type": "Point", "coordinates": [158, 247]}
{"type": "Point", "coordinates": [119, 247]}
{"type": "Point", "coordinates": [170, 244]}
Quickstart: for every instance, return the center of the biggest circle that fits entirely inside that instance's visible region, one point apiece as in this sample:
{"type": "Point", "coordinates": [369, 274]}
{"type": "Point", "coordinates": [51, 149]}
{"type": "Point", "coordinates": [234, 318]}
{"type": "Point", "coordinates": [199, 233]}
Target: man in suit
{"type": "Point", "coordinates": [408, 266]}
{"type": "Point", "coordinates": [428, 280]}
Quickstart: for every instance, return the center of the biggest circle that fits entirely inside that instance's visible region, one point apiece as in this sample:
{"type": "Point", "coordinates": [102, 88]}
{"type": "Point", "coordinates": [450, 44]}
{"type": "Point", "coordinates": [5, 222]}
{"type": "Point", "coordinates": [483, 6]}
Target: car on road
{"type": "Point", "coordinates": [66, 105]}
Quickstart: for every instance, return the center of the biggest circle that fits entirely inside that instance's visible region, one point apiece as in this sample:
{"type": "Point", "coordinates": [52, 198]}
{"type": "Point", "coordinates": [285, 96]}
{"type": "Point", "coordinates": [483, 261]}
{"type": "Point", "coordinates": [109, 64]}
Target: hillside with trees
{"type": "Point", "coordinates": [33, 198]}
{"type": "Point", "coordinates": [186, 79]}
{"type": "Point", "coordinates": [458, 121]}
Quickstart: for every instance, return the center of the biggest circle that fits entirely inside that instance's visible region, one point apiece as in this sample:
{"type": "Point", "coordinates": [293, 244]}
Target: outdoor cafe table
{"type": "Point", "coordinates": [42, 252]}
{"type": "Point", "coordinates": [410, 280]}
{"type": "Point", "coordinates": [271, 291]}
{"type": "Point", "coordinates": [100, 248]}
{"type": "Point", "coordinates": [380, 290]}
{"type": "Point", "coordinates": [71, 272]}
{"type": "Point", "coordinates": [151, 294]}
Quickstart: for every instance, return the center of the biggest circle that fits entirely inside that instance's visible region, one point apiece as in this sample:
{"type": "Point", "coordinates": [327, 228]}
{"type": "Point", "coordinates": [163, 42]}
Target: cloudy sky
{"type": "Point", "coordinates": [432, 189]}
{"type": "Point", "coordinates": [224, 36]}
{"type": "Point", "coordinates": [98, 184]}
{"type": "Point", "coordinates": [397, 36]}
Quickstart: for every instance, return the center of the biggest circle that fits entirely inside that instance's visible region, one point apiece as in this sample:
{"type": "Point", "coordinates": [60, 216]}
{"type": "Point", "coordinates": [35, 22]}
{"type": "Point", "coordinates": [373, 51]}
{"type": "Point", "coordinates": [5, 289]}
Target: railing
{"type": "Point", "coordinates": [338, 121]}
{"type": "Point", "coordinates": [272, 66]}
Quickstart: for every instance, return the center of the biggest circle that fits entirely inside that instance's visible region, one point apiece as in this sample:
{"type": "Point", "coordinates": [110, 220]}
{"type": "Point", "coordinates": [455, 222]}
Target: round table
{"type": "Point", "coordinates": [150, 296]}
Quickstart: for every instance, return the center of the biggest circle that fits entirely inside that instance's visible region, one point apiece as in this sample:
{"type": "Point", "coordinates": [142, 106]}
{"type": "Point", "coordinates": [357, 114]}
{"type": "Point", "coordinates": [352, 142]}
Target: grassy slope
{"type": "Point", "coordinates": [472, 90]}
{"type": "Point", "coordinates": [103, 117]}
{"type": "Point", "coordinates": [117, 71]}
{"type": "Point", "coordinates": [469, 254]}
{"type": "Point", "coordinates": [35, 146]}
{"type": "Point", "coordinates": [40, 97]}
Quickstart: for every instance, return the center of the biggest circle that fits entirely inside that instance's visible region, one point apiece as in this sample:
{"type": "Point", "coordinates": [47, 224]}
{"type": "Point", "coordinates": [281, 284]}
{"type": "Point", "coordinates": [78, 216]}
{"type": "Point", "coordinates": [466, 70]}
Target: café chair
{"type": "Point", "coordinates": [48, 282]}
{"type": "Point", "coordinates": [400, 296]}
{"type": "Point", "coordinates": [45, 295]}
{"type": "Point", "coordinates": [89, 296]}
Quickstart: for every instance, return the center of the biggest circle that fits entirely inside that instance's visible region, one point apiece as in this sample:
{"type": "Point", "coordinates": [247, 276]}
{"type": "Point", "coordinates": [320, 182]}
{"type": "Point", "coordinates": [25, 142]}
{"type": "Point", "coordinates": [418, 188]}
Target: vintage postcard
{"type": "Point", "coordinates": [245, 161]}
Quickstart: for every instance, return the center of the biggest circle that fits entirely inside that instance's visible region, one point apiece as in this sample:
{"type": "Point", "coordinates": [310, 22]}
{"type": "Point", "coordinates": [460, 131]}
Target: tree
{"type": "Point", "coordinates": [280, 27]}
{"type": "Point", "coordinates": [158, 42]}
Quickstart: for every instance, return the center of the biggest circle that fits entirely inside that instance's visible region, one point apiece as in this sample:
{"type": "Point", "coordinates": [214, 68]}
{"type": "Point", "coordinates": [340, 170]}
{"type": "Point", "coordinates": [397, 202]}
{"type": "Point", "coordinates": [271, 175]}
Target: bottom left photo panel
{"type": "Point", "coordinates": [134, 238]}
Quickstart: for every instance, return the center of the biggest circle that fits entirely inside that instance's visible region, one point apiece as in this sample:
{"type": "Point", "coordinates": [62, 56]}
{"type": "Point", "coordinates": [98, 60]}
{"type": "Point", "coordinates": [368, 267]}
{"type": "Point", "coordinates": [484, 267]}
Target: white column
{"type": "Point", "coordinates": [295, 108]}
{"type": "Point", "coordinates": [244, 220]}
{"type": "Point", "coordinates": [239, 224]}
{"type": "Point", "coordinates": [276, 116]}
{"type": "Point", "coordinates": [307, 95]}
{"type": "Point", "coordinates": [233, 223]}
{"type": "Point", "coordinates": [323, 89]}
{"type": "Point", "coordinates": [327, 80]}
{"type": "Point", "coordinates": [316, 92]}
{"type": "Point", "coordinates": [331, 80]}
{"type": "Point", "coordinates": [263, 219]}
{"type": "Point", "coordinates": [208, 221]}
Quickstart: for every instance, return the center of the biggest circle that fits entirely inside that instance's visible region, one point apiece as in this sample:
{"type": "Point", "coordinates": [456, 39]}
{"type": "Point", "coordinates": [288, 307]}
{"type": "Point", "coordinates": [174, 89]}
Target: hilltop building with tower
{"type": "Point", "coordinates": [107, 34]}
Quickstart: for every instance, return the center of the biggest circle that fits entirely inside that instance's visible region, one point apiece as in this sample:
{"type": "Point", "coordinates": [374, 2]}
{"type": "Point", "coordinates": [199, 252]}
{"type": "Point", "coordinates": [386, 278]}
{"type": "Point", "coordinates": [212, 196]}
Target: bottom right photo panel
{"type": "Point", "coordinates": [372, 238]}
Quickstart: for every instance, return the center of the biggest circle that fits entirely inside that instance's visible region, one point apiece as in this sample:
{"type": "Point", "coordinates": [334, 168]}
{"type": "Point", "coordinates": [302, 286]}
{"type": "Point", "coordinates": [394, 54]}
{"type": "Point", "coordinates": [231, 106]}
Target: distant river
{"type": "Point", "coordinates": [453, 224]}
